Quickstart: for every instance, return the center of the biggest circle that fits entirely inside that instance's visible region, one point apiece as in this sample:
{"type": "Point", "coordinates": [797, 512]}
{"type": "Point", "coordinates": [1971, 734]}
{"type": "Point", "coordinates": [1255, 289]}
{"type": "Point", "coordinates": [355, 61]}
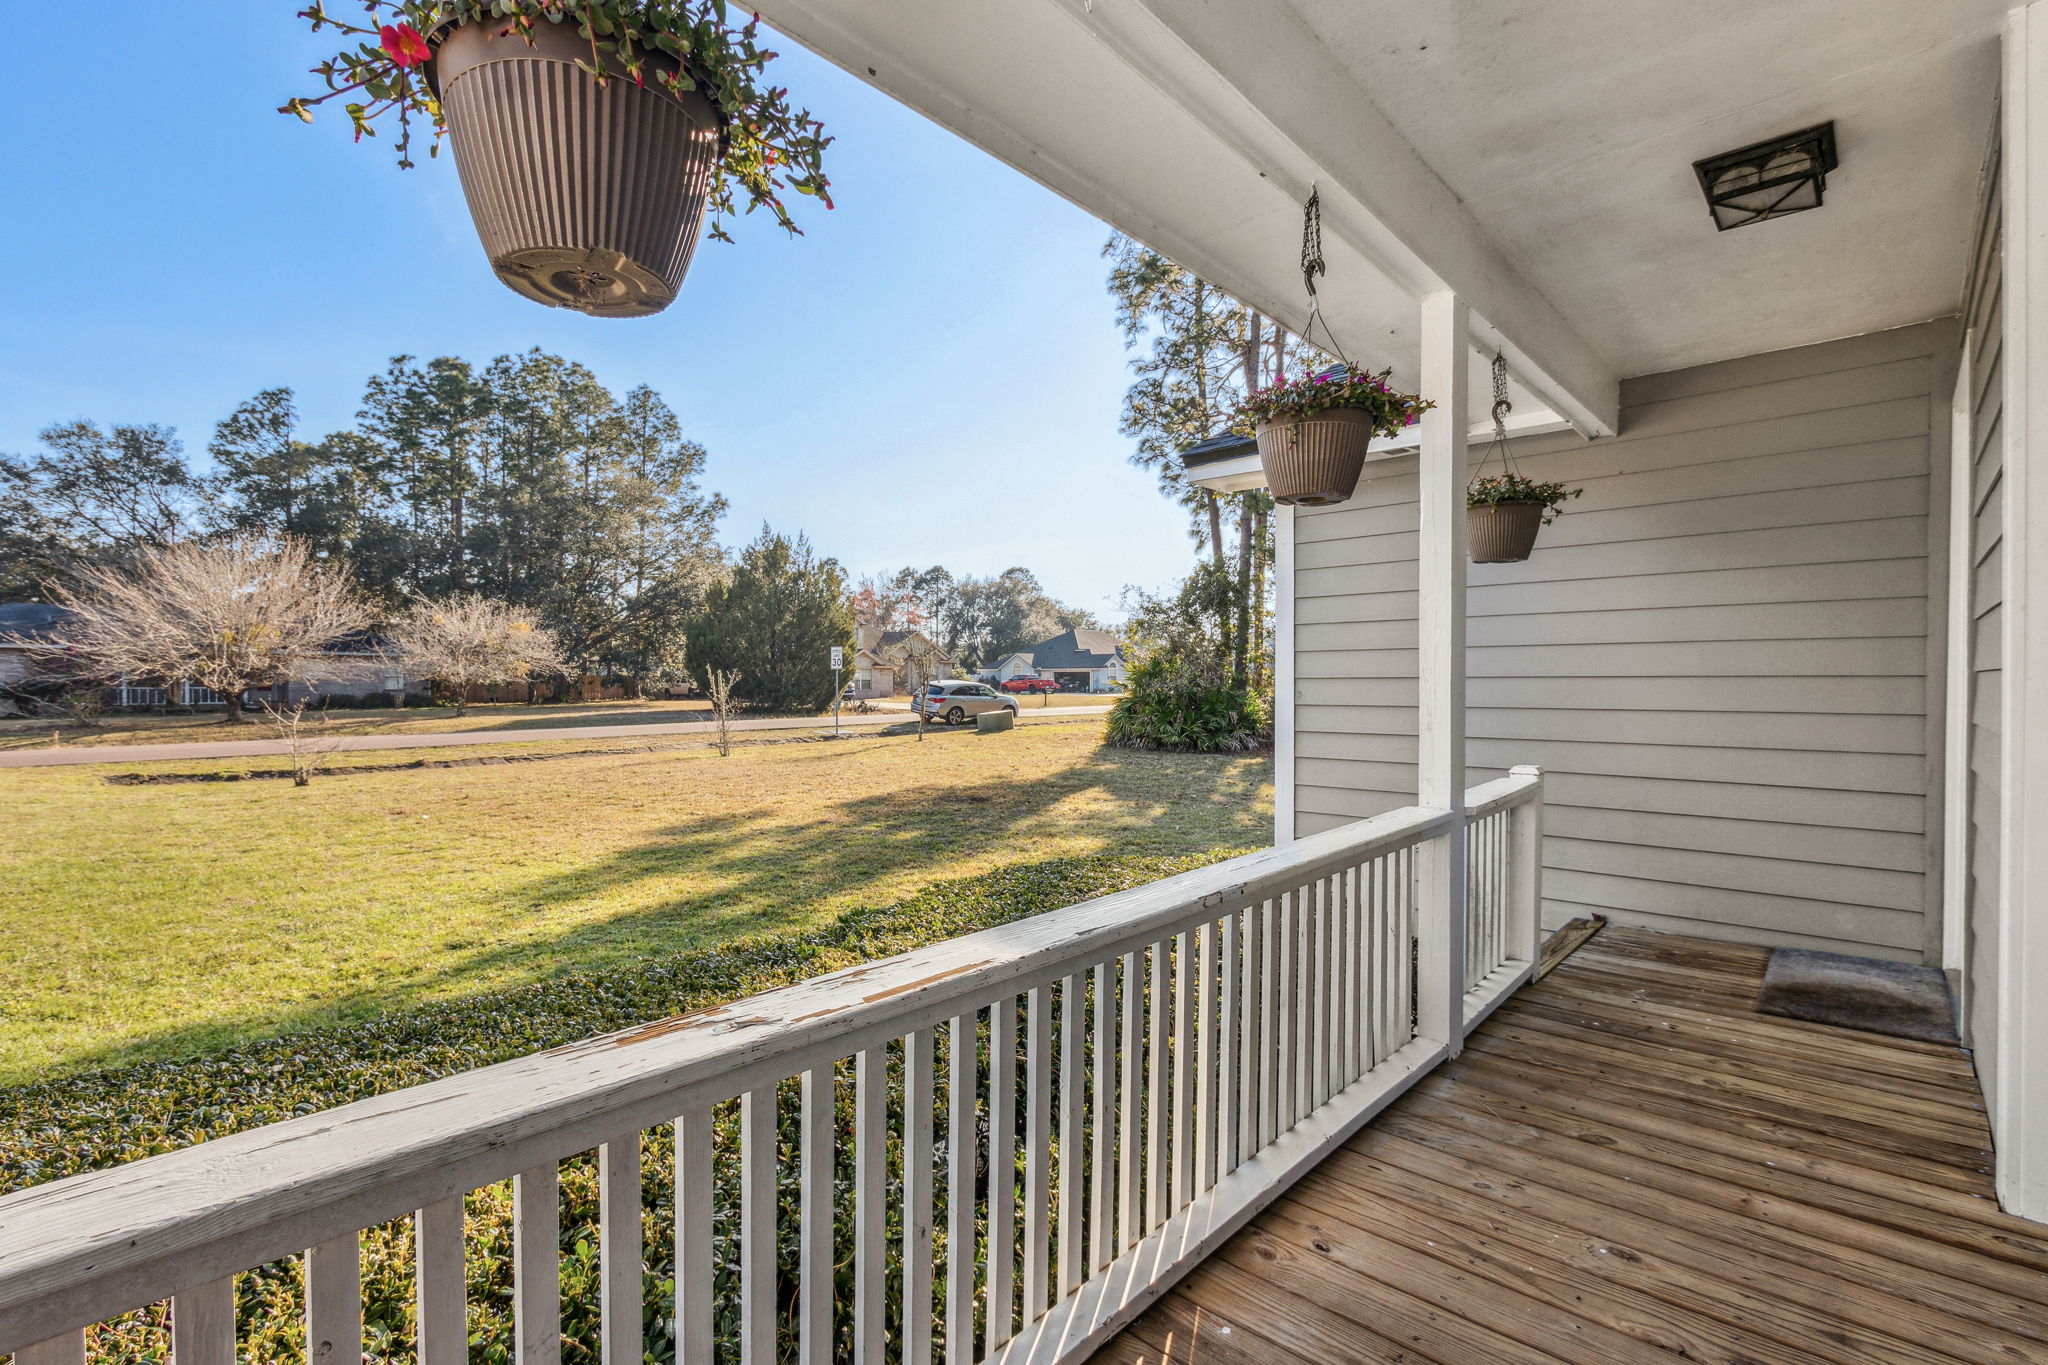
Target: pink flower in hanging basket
{"type": "Point", "coordinates": [403, 44]}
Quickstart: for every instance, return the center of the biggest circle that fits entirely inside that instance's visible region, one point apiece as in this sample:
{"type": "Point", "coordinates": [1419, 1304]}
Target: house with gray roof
{"type": "Point", "coordinates": [26, 627]}
{"type": "Point", "coordinates": [1079, 660]}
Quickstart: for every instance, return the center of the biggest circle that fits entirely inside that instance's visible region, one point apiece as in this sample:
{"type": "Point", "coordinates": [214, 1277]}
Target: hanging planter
{"type": "Point", "coordinates": [1504, 511]}
{"type": "Point", "coordinates": [1313, 432]}
{"type": "Point", "coordinates": [1502, 532]}
{"type": "Point", "coordinates": [591, 138]}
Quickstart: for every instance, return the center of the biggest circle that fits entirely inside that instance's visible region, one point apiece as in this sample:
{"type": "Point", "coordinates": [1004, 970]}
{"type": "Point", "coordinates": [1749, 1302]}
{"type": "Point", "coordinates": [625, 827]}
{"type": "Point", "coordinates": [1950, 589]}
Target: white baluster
{"type": "Point", "coordinates": [68, 1349]}
{"type": "Point", "coordinates": [1250, 1039]}
{"type": "Point", "coordinates": [203, 1324]}
{"type": "Point", "coordinates": [334, 1302]}
{"type": "Point", "coordinates": [693, 1237]}
{"type": "Point", "coordinates": [1037, 1148]}
{"type": "Point", "coordinates": [1157, 1096]}
{"type": "Point", "coordinates": [758, 1218]}
{"type": "Point", "coordinates": [440, 1294]}
{"type": "Point", "coordinates": [963, 1152]}
{"type": "Point", "coordinates": [619, 1249]}
{"type": "Point", "coordinates": [1102, 1132]}
{"type": "Point", "coordinates": [870, 1206]}
{"type": "Point", "coordinates": [1130, 1048]}
{"type": "Point", "coordinates": [1002, 1167]}
{"type": "Point", "coordinates": [1183, 1137]}
{"type": "Point", "coordinates": [537, 1265]}
{"type": "Point", "coordinates": [1073, 1158]}
{"type": "Point", "coordinates": [819, 1138]}
{"type": "Point", "coordinates": [917, 1197]}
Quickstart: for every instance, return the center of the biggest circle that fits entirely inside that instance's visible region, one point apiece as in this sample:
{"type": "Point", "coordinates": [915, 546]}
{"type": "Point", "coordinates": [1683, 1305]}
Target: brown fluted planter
{"type": "Point", "coordinates": [1315, 461]}
{"type": "Point", "coordinates": [586, 197]}
{"type": "Point", "coordinates": [1503, 532]}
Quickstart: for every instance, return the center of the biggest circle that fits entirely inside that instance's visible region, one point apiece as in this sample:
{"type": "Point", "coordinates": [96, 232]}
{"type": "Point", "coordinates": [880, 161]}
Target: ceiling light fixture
{"type": "Point", "coordinates": [1770, 179]}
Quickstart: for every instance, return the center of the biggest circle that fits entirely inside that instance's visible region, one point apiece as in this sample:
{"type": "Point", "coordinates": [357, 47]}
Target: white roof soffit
{"type": "Point", "coordinates": [1199, 129]}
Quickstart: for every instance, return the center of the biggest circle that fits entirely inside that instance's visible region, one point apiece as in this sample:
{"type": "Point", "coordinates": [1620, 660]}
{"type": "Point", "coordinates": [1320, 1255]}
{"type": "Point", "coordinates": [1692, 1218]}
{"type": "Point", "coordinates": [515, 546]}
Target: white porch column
{"type": "Point", "coordinates": [1283, 675]}
{"type": "Point", "coordinates": [1440, 671]}
{"type": "Point", "coordinates": [2020, 1118]}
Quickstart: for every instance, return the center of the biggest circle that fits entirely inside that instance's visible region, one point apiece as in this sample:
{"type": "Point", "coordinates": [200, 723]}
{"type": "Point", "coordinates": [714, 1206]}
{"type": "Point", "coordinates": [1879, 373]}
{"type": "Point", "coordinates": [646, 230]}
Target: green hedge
{"type": "Point", "coordinates": [78, 1123]}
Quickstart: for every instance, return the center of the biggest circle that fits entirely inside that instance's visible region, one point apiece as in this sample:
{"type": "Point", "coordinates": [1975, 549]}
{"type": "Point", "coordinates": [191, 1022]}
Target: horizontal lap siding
{"type": "Point", "coordinates": [1984, 311]}
{"type": "Point", "coordinates": [1719, 652]}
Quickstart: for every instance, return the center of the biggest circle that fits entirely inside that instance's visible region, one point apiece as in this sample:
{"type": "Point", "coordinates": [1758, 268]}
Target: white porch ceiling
{"type": "Point", "coordinates": [1569, 129]}
{"type": "Point", "coordinates": [1534, 155]}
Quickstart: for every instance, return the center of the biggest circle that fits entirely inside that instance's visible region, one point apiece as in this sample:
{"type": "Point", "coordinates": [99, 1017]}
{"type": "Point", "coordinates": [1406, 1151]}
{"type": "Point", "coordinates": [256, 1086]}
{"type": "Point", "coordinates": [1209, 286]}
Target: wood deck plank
{"type": "Point", "coordinates": [1766, 1046]}
{"type": "Point", "coordinates": [1629, 1164]}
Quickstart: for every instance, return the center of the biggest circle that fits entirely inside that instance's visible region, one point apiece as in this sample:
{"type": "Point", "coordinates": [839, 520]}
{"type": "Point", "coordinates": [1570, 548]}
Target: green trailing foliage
{"type": "Point", "coordinates": [1287, 400]}
{"type": "Point", "coordinates": [1492, 489]}
{"type": "Point", "coordinates": [1168, 704]}
{"type": "Point", "coordinates": [87, 1122]}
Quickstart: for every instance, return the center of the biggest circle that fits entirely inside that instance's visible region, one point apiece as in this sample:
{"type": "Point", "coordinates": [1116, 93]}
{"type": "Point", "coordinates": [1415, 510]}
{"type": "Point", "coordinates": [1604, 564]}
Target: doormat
{"type": "Point", "coordinates": [1891, 998]}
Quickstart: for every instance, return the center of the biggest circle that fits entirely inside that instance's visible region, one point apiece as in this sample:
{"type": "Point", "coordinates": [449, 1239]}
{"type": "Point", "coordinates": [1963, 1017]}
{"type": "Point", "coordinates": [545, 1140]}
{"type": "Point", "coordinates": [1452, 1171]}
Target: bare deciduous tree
{"type": "Point", "coordinates": [718, 685]}
{"type": "Point", "coordinates": [467, 640]}
{"type": "Point", "coordinates": [248, 611]}
{"type": "Point", "coordinates": [306, 748]}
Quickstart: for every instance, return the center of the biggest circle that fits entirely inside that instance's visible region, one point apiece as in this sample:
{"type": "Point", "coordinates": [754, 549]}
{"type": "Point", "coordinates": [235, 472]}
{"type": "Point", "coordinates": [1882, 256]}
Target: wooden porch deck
{"type": "Point", "coordinates": [1629, 1164]}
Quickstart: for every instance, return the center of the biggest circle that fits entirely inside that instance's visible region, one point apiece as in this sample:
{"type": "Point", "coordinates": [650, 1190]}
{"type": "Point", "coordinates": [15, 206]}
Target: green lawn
{"type": "Point", "coordinates": [168, 920]}
{"type": "Point", "coordinates": [203, 727]}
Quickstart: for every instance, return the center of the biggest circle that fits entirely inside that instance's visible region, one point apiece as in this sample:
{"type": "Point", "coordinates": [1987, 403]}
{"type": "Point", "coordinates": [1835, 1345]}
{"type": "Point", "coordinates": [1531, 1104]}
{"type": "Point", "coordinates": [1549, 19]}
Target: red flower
{"type": "Point", "coordinates": [403, 44]}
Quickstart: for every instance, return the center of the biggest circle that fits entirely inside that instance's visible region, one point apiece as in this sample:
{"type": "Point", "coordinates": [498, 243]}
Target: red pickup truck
{"type": "Point", "coordinates": [1029, 685]}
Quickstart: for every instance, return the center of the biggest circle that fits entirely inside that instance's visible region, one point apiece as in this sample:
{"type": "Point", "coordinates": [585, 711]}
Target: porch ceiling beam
{"type": "Point", "coordinates": [1199, 129]}
{"type": "Point", "coordinates": [1297, 105]}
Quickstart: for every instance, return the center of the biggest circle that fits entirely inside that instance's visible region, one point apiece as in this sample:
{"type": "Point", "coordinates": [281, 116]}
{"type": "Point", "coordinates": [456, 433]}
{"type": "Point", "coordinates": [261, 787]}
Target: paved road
{"type": "Point", "coordinates": [246, 748]}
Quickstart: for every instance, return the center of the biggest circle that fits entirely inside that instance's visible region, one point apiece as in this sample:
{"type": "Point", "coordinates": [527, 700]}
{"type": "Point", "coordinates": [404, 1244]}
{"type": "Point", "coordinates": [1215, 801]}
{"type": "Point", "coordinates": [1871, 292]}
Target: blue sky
{"type": "Point", "coordinates": [931, 375]}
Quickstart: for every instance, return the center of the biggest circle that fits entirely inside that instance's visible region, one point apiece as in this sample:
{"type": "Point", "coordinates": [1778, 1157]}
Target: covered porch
{"type": "Point", "coordinates": [1775, 686]}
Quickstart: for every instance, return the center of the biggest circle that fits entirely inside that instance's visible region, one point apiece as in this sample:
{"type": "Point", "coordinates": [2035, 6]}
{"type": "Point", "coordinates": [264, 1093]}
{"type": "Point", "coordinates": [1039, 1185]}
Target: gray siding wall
{"type": "Point", "coordinates": [1720, 653]}
{"type": "Point", "coordinates": [1985, 395]}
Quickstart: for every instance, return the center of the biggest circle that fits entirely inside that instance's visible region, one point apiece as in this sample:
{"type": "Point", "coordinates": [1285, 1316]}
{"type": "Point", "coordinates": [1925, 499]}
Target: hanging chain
{"type": "Point", "coordinates": [1312, 266]}
{"type": "Point", "coordinates": [1312, 244]}
{"type": "Point", "coordinates": [1501, 408]}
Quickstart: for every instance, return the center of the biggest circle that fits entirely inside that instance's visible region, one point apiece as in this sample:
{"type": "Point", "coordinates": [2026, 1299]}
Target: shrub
{"type": "Point", "coordinates": [335, 701]}
{"type": "Point", "coordinates": [1169, 705]}
{"type": "Point", "coordinates": [420, 699]}
{"type": "Point", "coordinates": [62, 1126]}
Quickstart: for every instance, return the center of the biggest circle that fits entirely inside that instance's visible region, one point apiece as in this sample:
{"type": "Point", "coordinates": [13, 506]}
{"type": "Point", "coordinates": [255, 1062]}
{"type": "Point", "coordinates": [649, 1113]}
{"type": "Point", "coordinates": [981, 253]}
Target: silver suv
{"type": "Point", "coordinates": [954, 702]}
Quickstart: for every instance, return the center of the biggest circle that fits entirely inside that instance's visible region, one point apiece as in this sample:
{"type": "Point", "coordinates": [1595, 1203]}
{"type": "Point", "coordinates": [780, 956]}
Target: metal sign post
{"type": "Point", "coordinates": [838, 662]}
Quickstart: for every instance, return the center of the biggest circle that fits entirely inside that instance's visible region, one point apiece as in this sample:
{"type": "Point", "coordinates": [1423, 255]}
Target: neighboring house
{"type": "Point", "coordinates": [886, 662]}
{"type": "Point", "coordinates": [26, 627]}
{"type": "Point", "coordinates": [1079, 660]}
{"type": "Point", "coordinates": [1018, 665]}
{"type": "Point", "coordinates": [355, 665]}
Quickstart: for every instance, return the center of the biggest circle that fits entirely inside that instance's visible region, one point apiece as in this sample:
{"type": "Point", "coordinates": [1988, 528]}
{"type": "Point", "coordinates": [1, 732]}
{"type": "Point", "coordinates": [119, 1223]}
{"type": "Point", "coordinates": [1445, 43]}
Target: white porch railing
{"type": "Point", "coordinates": [1136, 1075]}
{"type": "Point", "coordinates": [1503, 888]}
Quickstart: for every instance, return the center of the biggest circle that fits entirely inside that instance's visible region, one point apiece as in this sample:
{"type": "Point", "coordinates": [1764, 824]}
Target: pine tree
{"type": "Point", "coordinates": [775, 623]}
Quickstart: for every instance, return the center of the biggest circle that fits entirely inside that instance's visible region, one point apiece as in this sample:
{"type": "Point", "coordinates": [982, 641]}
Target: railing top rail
{"type": "Point", "coordinates": [1518, 788]}
{"type": "Point", "coordinates": [82, 1249]}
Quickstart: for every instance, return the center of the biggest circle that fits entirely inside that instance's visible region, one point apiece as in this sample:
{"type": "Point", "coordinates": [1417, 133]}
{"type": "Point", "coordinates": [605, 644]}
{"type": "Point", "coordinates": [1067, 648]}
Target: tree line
{"type": "Point", "coordinates": [565, 527]}
{"type": "Point", "coordinates": [524, 480]}
{"type": "Point", "coordinates": [974, 620]}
